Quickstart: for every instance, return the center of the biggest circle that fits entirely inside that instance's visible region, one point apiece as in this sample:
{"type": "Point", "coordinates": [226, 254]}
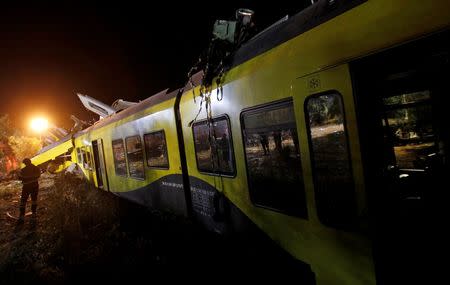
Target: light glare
{"type": "Point", "coordinates": [39, 124]}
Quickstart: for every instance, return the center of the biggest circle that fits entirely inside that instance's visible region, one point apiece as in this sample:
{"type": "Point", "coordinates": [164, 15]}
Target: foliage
{"type": "Point", "coordinates": [2, 161]}
{"type": "Point", "coordinates": [23, 146]}
{"type": "Point", "coordinates": [7, 161]}
{"type": "Point", "coordinates": [324, 109]}
{"type": "Point", "coordinates": [6, 129]}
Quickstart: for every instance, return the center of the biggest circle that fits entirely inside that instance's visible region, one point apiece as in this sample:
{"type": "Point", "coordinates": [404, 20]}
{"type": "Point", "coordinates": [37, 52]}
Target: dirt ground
{"type": "Point", "coordinates": [83, 234]}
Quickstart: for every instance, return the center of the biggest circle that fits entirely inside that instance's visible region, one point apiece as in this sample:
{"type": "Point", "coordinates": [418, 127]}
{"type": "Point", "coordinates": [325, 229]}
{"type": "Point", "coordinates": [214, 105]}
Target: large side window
{"type": "Point", "coordinates": [333, 179]}
{"type": "Point", "coordinates": [120, 163]}
{"type": "Point", "coordinates": [213, 146]}
{"type": "Point", "coordinates": [156, 150]}
{"type": "Point", "coordinates": [135, 157]}
{"type": "Point", "coordinates": [273, 158]}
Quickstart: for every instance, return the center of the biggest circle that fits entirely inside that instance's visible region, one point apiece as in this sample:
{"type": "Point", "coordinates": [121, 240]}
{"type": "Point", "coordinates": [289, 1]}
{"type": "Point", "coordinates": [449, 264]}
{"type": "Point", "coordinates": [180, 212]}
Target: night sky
{"type": "Point", "coordinates": [51, 51]}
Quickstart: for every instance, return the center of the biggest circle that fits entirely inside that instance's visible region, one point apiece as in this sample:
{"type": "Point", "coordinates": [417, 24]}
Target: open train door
{"type": "Point", "coordinates": [100, 167]}
{"type": "Point", "coordinates": [404, 130]}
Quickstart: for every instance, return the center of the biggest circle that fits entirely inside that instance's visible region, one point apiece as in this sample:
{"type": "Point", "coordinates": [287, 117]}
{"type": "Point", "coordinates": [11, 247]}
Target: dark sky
{"type": "Point", "coordinates": [130, 50]}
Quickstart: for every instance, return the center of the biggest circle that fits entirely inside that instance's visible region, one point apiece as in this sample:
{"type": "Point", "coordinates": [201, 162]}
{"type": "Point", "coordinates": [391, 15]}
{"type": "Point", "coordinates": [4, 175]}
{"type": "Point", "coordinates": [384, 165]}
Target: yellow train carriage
{"type": "Point", "coordinates": [134, 154]}
{"type": "Point", "coordinates": [270, 150]}
{"type": "Point", "coordinates": [316, 125]}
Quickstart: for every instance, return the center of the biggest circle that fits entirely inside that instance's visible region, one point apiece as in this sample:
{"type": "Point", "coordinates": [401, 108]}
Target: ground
{"type": "Point", "coordinates": [83, 234]}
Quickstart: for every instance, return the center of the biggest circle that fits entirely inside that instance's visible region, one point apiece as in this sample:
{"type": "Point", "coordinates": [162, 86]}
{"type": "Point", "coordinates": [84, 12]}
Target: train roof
{"type": "Point", "coordinates": [307, 19]}
{"type": "Point", "coordinates": [147, 103]}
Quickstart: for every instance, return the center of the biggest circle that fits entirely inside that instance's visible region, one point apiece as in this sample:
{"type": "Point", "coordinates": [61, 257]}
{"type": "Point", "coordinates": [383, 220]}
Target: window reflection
{"type": "Point", "coordinates": [334, 187]}
{"type": "Point", "coordinates": [273, 159]}
{"type": "Point", "coordinates": [408, 118]}
{"type": "Point", "coordinates": [86, 158]}
{"type": "Point", "coordinates": [213, 146]}
{"type": "Point", "coordinates": [79, 156]}
{"type": "Point", "coordinates": [120, 164]}
{"type": "Point", "coordinates": [156, 150]}
{"type": "Point", "coordinates": [135, 156]}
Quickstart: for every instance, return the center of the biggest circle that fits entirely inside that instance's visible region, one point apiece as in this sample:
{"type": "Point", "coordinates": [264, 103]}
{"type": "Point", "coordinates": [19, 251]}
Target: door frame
{"type": "Point", "coordinates": [414, 66]}
{"type": "Point", "coordinates": [100, 164]}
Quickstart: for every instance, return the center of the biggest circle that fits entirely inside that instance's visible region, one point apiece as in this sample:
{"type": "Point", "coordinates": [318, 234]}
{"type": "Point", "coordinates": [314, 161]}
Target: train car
{"type": "Point", "coordinates": [134, 154]}
{"type": "Point", "coordinates": [310, 114]}
{"type": "Point", "coordinates": [327, 131]}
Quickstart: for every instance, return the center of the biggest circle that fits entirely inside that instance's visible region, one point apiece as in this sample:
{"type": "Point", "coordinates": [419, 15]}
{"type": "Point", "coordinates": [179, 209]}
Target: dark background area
{"type": "Point", "coordinates": [49, 51]}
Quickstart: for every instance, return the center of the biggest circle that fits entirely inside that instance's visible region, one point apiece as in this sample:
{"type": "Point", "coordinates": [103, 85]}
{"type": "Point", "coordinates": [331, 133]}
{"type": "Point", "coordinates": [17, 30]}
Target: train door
{"type": "Point", "coordinates": [99, 161]}
{"type": "Point", "coordinates": [337, 204]}
{"type": "Point", "coordinates": [404, 136]}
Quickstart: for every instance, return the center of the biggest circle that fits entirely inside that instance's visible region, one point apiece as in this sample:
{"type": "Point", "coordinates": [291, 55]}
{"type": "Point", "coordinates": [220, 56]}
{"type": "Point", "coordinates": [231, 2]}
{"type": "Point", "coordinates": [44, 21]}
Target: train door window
{"type": "Point", "coordinates": [156, 150]}
{"type": "Point", "coordinates": [120, 163]}
{"type": "Point", "coordinates": [330, 156]}
{"type": "Point", "coordinates": [408, 118]}
{"type": "Point", "coordinates": [213, 146]}
{"type": "Point", "coordinates": [273, 158]}
{"type": "Point", "coordinates": [89, 158]}
{"type": "Point", "coordinates": [79, 156]}
{"type": "Point", "coordinates": [86, 160]}
{"type": "Point", "coordinates": [135, 157]}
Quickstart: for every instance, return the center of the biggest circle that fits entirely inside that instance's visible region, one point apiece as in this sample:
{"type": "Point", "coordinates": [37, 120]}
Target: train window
{"type": "Point", "coordinates": [86, 160]}
{"type": "Point", "coordinates": [408, 117]}
{"type": "Point", "coordinates": [79, 157]}
{"type": "Point", "coordinates": [120, 163]}
{"type": "Point", "coordinates": [213, 146]}
{"type": "Point", "coordinates": [156, 149]}
{"type": "Point", "coordinates": [273, 158]}
{"type": "Point", "coordinates": [135, 157]}
{"type": "Point", "coordinates": [330, 156]}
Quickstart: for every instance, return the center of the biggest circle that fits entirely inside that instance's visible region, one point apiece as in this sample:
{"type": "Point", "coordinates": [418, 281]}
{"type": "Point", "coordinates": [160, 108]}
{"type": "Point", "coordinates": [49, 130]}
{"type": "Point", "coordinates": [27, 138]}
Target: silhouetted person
{"type": "Point", "coordinates": [296, 142]}
{"type": "Point", "coordinates": [277, 138]}
{"type": "Point", "coordinates": [264, 142]}
{"type": "Point", "coordinates": [225, 146]}
{"type": "Point", "coordinates": [29, 176]}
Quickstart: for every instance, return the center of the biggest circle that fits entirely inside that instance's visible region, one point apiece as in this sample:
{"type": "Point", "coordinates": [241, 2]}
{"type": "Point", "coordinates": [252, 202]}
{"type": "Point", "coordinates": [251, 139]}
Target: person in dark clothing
{"type": "Point", "coordinates": [29, 176]}
{"type": "Point", "coordinates": [264, 143]}
{"type": "Point", "coordinates": [278, 141]}
{"type": "Point", "coordinates": [225, 147]}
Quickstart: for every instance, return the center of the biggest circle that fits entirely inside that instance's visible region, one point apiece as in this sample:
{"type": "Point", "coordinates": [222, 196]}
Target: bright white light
{"type": "Point", "coordinates": [39, 124]}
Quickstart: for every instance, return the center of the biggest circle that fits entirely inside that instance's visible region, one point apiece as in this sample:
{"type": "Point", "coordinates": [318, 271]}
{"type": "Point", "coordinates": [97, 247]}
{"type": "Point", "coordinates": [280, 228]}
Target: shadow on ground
{"type": "Point", "coordinates": [84, 235]}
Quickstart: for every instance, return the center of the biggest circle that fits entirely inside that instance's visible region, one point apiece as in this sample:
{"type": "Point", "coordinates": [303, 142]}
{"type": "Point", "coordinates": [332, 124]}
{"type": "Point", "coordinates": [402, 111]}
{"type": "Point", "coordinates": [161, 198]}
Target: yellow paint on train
{"type": "Point", "coordinates": [52, 153]}
{"type": "Point", "coordinates": [157, 117]}
{"type": "Point", "coordinates": [336, 257]}
{"type": "Point", "coordinates": [311, 63]}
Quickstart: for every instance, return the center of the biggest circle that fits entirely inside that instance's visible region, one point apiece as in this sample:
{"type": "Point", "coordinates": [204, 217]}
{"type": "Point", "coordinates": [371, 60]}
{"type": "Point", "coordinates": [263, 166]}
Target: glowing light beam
{"type": "Point", "coordinates": [39, 124]}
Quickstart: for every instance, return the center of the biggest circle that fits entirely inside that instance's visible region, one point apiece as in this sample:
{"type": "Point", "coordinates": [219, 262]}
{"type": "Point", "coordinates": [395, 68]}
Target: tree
{"type": "Point", "coordinates": [5, 128]}
{"type": "Point", "coordinates": [23, 146]}
{"type": "Point", "coordinates": [14, 147]}
{"type": "Point", "coordinates": [7, 159]}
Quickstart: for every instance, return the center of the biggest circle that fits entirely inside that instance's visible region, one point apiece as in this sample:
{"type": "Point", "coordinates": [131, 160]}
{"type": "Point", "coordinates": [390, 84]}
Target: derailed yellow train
{"type": "Point", "coordinates": [328, 130]}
